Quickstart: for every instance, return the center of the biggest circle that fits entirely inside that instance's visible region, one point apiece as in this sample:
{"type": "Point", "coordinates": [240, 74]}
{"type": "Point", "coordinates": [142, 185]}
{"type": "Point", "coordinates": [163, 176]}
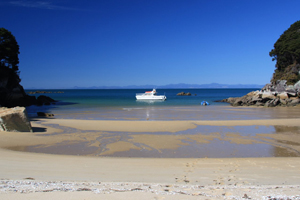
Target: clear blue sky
{"type": "Point", "coordinates": [66, 43]}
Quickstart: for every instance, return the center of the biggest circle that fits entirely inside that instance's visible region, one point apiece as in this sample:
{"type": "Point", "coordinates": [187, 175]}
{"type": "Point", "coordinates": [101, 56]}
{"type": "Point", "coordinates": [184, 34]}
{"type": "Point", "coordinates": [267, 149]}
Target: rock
{"type": "Point", "coordinates": [42, 114]}
{"type": "Point", "coordinates": [297, 86]}
{"type": "Point", "coordinates": [258, 103]}
{"type": "Point", "coordinates": [275, 102]}
{"type": "Point", "coordinates": [44, 100]}
{"type": "Point", "coordinates": [269, 95]}
{"type": "Point", "coordinates": [269, 104]}
{"type": "Point", "coordinates": [283, 95]}
{"type": "Point", "coordinates": [184, 94]}
{"type": "Point", "coordinates": [294, 102]}
{"type": "Point", "coordinates": [267, 87]}
{"type": "Point", "coordinates": [256, 98]}
{"type": "Point", "coordinates": [14, 119]}
{"type": "Point", "coordinates": [291, 94]}
{"type": "Point", "coordinates": [280, 85]}
{"type": "Point", "coordinates": [290, 89]}
{"type": "Point", "coordinates": [231, 100]}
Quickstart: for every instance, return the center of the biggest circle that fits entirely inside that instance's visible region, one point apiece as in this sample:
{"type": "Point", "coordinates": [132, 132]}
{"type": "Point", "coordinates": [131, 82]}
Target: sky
{"type": "Point", "coordinates": [85, 43]}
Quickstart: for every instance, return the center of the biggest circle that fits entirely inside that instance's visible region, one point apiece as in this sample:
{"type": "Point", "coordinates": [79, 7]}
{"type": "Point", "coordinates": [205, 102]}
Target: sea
{"type": "Point", "coordinates": [121, 104]}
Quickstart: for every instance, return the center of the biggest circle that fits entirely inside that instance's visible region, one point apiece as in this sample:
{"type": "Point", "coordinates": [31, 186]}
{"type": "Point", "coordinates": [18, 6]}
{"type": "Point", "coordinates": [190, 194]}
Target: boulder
{"type": "Point", "coordinates": [256, 98]}
{"type": "Point", "coordinates": [267, 87]}
{"type": "Point", "coordinates": [184, 94]}
{"type": "Point", "coordinates": [297, 86]}
{"type": "Point", "coordinates": [269, 95]}
{"type": "Point", "coordinates": [291, 94]}
{"type": "Point", "coordinates": [45, 100]}
{"type": "Point", "coordinates": [283, 95]}
{"type": "Point", "coordinates": [42, 114]}
{"type": "Point", "coordinates": [258, 103]}
{"type": "Point", "coordinates": [270, 103]}
{"type": "Point", "coordinates": [14, 119]}
{"type": "Point", "coordinates": [282, 101]}
{"type": "Point", "coordinates": [280, 85]}
{"type": "Point", "coordinates": [290, 89]}
{"type": "Point", "coordinates": [231, 100]}
{"type": "Point", "coordinates": [294, 102]}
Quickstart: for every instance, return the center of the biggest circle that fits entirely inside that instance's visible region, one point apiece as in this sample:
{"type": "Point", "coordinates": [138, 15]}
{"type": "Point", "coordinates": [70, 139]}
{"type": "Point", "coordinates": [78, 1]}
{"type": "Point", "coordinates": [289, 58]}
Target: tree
{"type": "Point", "coordinates": [286, 53]}
{"type": "Point", "coordinates": [9, 50]}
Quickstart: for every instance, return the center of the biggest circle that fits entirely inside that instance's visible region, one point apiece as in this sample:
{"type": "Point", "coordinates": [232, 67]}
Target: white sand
{"type": "Point", "coordinates": [42, 176]}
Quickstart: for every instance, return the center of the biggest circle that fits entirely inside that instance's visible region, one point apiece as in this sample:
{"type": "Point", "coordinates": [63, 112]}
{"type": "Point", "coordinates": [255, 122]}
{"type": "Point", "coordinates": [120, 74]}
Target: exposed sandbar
{"type": "Point", "coordinates": [112, 177]}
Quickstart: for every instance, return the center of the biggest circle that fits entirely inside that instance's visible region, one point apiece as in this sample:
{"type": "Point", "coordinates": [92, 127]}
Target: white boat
{"type": "Point", "coordinates": [150, 95]}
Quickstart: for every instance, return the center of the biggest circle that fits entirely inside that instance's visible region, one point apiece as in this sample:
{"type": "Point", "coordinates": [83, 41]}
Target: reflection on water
{"type": "Point", "coordinates": [175, 113]}
{"type": "Point", "coordinates": [200, 142]}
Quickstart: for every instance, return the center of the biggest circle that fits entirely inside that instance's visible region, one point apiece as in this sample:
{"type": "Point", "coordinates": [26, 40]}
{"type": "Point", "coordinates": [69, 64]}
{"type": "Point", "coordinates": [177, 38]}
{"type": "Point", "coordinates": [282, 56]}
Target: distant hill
{"type": "Point", "coordinates": [175, 86]}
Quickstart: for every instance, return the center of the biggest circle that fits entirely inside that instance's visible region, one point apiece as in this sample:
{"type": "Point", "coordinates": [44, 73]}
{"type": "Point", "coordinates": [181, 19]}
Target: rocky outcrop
{"type": "Point", "coordinates": [42, 114]}
{"type": "Point", "coordinates": [184, 94]}
{"type": "Point", "coordinates": [270, 95]}
{"type": "Point", "coordinates": [43, 92]}
{"type": "Point", "coordinates": [44, 100]}
{"type": "Point", "coordinates": [11, 92]}
{"type": "Point", "coordinates": [14, 119]}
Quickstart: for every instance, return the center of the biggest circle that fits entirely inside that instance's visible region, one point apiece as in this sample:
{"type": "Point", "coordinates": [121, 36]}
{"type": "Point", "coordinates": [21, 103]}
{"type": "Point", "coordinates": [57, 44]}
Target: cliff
{"type": "Point", "coordinates": [11, 92]}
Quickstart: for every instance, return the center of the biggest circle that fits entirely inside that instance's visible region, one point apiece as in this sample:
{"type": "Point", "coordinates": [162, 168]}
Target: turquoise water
{"type": "Point", "coordinates": [126, 97]}
{"type": "Point", "coordinates": [121, 104]}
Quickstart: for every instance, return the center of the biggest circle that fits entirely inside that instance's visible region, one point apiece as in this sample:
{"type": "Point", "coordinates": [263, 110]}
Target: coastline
{"type": "Point", "coordinates": [28, 175]}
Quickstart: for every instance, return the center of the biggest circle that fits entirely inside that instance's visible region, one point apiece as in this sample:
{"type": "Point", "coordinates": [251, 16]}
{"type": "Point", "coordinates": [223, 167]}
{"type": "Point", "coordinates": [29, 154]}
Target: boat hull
{"type": "Point", "coordinates": [146, 97]}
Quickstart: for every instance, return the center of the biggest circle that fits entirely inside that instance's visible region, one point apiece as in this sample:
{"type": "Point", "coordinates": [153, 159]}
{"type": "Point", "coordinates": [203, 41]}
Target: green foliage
{"type": "Point", "coordinates": [286, 53]}
{"type": "Point", "coordinates": [9, 50]}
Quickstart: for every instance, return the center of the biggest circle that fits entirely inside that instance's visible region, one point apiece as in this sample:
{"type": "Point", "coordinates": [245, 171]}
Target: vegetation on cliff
{"type": "Point", "coordinates": [9, 59]}
{"type": "Point", "coordinates": [9, 50]}
{"type": "Point", "coordinates": [11, 92]}
{"type": "Point", "coordinates": [286, 53]}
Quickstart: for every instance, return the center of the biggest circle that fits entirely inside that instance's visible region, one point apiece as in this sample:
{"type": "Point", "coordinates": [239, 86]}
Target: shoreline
{"type": "Point", "coordinates": [35, 176]}
{"type": "Point", "coordinates": [27, 175]}
{"type": "Point", "coordinates": [168, 113]}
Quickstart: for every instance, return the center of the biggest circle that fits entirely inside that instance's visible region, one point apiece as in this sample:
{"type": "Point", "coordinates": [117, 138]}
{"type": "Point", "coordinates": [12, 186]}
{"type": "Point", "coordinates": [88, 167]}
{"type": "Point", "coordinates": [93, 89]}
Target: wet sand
{"type": "Point", "coordinates": [29, 175]}
{"type": "Point", "coordinates": [164, 139]}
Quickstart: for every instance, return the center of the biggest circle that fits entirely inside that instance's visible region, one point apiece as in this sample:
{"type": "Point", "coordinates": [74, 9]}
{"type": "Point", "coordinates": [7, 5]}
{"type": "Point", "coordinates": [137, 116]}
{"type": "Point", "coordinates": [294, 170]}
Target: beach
{"type": "Point", "coordinates": [112, 166]}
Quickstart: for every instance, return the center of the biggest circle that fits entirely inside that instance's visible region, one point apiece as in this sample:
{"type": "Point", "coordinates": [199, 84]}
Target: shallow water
{"type": "Point", "coordinates": [200, 142]}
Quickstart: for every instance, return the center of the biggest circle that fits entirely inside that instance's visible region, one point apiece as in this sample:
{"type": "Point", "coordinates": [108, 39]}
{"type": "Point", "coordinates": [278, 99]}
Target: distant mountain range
{"type": "Point", "coordinates": [176, 86]}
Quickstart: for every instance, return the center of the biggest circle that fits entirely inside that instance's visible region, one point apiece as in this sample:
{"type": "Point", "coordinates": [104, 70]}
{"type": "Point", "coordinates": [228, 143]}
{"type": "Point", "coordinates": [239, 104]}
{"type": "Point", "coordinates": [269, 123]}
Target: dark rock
{"type": "Point", "coordinates": [44, 100]}
{"type": "Point", "coordinates": [269, 104]}
{"type": "Point", "coordinates": [184, 94]}
{"type": "Point", "coordinates": [42, 114]}
{"type": "Point", "coordinates": [258, 103]}
{"type": "Point", "coordinates": [255, 99]}
{"type": "Point", "coordinates": [291, 94]}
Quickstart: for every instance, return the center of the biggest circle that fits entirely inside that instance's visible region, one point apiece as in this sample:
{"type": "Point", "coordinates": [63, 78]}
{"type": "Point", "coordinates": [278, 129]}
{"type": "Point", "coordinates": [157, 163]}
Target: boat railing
{"type": "Point", "coordinates": [142, 94]}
